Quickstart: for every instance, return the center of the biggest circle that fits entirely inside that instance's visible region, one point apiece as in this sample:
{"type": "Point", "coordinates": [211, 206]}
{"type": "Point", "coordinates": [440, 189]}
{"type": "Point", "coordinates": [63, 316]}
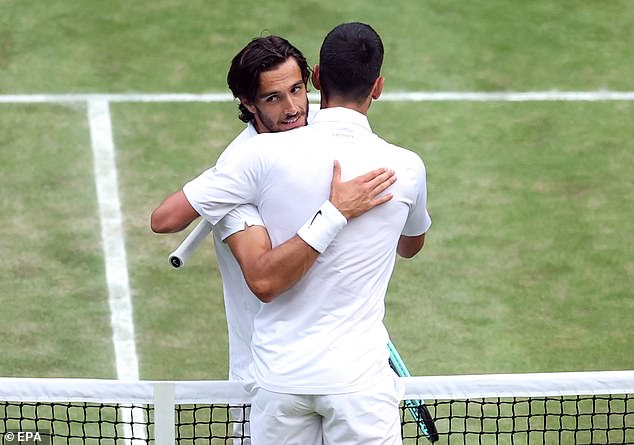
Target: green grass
{"type": "Point", "coordinates": [179, 313]}
{"type": "Point", "coordinates": [54, 319]}
{"type": "Point", "coordinates": [530, 247]}
{"type": "Point", "coordinates": [163, 45]}
{"type": "Point", "coordinates": [528, 264]}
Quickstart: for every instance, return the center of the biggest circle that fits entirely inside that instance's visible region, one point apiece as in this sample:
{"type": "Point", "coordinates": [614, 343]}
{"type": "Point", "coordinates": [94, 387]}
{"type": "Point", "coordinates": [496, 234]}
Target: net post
{"type": "Point", "coordinates": [164, 413]}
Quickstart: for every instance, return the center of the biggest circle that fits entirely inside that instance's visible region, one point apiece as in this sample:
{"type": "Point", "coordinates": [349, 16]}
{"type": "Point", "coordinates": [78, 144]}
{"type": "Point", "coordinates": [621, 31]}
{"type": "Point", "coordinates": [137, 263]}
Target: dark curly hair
{"type": "Point", "coordinates": [261, 54]}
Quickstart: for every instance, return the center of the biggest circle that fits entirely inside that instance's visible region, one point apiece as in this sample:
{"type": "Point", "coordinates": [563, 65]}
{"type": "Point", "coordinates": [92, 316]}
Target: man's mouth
{"type": "Point", "coordinates": [292, 121]}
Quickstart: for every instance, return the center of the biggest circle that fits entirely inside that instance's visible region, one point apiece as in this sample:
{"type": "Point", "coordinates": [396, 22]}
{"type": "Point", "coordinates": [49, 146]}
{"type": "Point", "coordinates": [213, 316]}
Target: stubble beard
{"type": "Point", "coordinates": [272, 126]}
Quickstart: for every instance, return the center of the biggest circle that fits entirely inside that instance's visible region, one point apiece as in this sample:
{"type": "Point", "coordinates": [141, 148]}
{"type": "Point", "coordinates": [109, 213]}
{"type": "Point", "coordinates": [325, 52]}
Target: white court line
{"type": "Point", "coordinates": [112, 238]}
{"type": "Point", "coordinates": [405, 96]}
{"type": "Point", "coordinates": [119, 298]}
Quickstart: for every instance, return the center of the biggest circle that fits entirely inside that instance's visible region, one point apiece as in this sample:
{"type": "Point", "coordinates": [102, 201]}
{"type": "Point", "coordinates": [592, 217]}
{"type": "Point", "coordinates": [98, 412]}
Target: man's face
{"type": "Point", "coordinates": [281, 102]}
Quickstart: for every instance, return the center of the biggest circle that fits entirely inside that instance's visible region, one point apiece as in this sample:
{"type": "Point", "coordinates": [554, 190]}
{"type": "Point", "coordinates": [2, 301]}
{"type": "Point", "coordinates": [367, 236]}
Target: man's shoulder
{"type": "Point", "coordinates": [251, 143]}
{"type": "Point", "coordinates": [401, 154]}
{"type": "Point", "coordinates": [281, 137]}
{"type": "Point", "coordinates": [312, 112]}
{"type": "Point", "coordinates": [265, 148]}
{"type": "Point", "coordinates": [246, 134]}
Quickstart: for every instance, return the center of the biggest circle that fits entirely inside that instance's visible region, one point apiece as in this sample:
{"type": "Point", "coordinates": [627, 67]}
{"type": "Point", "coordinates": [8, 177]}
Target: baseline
{"type": "Point", "coordinates": [395, 96]}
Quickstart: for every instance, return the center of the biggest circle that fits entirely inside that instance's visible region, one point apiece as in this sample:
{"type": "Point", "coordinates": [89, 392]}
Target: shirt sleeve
{"type": "Point", "coordinates": [418, 220]}
{"type": "Point", "coordinates": [233, 149]}
{"type": "Point", "coordinates": [236, 220]}
{"type": "Point", "coordinates": [221, 188]}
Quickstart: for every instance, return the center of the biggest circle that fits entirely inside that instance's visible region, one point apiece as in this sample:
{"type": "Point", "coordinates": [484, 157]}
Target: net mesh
{"type": "Point", "coordinates": [463, 418]}
{"type": "Point", "coordinates": [574, 420]}
{"type": "Point", "coordinates": [77, 422]}
{"type": "Point", "coordinates": [202, 423]}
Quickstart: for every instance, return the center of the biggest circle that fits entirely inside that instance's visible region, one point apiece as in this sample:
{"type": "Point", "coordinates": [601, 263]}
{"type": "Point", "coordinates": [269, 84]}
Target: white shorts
{"type": "Point", "coordinates": [368, 417]}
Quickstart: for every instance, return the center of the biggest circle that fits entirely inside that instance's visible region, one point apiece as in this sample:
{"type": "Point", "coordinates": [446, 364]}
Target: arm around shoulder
{"type": "Point", "coordinates": [269, 272]}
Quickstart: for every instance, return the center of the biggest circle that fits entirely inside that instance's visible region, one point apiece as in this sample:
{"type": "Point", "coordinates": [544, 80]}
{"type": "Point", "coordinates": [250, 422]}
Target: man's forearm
{"type": "Point", "coordinates": [173, 215]}
{"type": "Point", "coordinates": [408, 246]}
{"type": "Point", "coordinates": [269, 272]}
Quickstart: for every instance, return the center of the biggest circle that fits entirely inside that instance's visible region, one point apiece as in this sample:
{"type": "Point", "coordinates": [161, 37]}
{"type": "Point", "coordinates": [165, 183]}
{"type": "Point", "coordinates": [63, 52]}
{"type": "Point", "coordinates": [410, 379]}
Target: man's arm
{"type": "Point", "coordinates": [270, 271]}
{"type": "Point", "coordinates": [412, 240]}
{"type": "Point", "coordinates": [173, 215]}
{"type": "Point", "coordinates": [408, 246]}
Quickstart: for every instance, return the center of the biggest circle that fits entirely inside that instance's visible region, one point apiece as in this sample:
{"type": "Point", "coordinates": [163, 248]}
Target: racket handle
{"type": "Point", "coordinates": [424, 416]}
{"type": "Point", "coordinates": [179, 257]}
{"type": "Point", "coordinates": [417, 408]}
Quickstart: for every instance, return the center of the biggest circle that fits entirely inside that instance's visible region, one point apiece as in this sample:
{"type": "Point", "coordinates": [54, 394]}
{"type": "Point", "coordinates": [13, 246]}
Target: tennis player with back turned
{"type": "Point", "coordinates": [320, 372]}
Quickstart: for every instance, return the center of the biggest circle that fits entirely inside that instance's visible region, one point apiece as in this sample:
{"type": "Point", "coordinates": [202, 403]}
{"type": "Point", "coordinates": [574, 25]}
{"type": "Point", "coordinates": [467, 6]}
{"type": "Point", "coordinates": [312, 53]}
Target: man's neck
{"type": "Point", "coordinates": [343, 103]}
{"type": "Point", "coordinates": [257, 129]}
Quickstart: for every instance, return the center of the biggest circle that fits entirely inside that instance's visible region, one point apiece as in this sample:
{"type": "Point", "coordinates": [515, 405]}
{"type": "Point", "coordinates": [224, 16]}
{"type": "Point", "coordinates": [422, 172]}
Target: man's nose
{"type": "Point", "coordinates": [289, 106]}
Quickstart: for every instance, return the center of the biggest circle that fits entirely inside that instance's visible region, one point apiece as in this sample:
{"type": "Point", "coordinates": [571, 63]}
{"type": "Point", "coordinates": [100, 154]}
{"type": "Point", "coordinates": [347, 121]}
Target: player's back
{"type": "Point", "coordinates": [241, 304]}
{"type": "Point", "coordinates": [326, 333]}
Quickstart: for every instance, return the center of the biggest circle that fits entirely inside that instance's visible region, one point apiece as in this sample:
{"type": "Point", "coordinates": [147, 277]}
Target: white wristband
{"type": "Point", "coordinates": [322, 227]}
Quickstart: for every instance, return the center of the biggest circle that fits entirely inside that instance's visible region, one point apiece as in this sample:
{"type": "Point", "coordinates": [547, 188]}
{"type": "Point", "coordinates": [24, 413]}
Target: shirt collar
{"type": "Point", "coordinates": [251, 129]}
{"type": "Point", "coordinates": [342, 116]}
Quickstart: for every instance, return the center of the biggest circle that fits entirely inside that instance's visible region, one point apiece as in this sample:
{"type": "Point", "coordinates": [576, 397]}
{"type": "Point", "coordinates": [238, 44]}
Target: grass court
{"type": "Point", "coordinates": [528, 266]}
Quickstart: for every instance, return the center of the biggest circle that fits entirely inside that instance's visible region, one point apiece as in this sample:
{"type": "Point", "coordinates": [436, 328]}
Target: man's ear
{"type": "Point", "coordinates": [316, 81]}
{"type": "Point", "coordinates": [249, 106]}
{"type": "Point", "coordinates": [377, 89]}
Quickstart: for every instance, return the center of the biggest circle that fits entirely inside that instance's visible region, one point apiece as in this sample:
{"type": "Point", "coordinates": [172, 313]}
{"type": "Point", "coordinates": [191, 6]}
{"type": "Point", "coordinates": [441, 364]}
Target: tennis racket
{"type": "Point", "coordinates": [417, 408]}
{"type": "Point", "coordinates": [179, 257]}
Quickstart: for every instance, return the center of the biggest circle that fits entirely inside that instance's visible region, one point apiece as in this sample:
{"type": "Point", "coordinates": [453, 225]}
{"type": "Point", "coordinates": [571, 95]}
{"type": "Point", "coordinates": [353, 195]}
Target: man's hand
{"type": "Point", "coordinates": [357, 196]}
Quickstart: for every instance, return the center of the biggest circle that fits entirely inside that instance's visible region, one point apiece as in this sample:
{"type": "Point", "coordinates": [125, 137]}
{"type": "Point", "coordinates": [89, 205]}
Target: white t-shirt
{"type": "Point", "coordinates": [240, 303]}
{"type": "Point", "coordinates": [326, 333]}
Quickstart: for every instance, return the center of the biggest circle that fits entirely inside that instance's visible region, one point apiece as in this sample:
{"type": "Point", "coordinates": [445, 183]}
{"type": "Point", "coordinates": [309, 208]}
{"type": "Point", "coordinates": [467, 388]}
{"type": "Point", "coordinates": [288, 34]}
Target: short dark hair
{"type": "Point", "coordinates": [350, 61]}
{"type": "Point", "coordinates": [261, 54]}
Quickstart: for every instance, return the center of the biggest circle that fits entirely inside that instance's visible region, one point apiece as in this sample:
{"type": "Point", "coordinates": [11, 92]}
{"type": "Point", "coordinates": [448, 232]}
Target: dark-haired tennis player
{"type": "Point", "coordinates": [269, 77]}
{"type": "Point", "coordinates": [320, 371]}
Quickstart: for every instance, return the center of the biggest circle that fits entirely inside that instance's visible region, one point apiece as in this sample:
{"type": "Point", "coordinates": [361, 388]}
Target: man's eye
{"type": "Point", "coordinates": [296, 89]}
{"type": "Point", "coordinates": [272, 99]}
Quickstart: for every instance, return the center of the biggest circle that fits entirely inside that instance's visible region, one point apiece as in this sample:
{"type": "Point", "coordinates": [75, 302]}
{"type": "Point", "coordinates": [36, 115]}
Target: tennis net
{"type": "Point", "coordinates": [553, 408]}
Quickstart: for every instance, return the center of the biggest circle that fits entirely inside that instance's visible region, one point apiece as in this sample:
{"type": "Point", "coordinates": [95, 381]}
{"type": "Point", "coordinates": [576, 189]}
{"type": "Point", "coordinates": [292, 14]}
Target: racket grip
{"type": "Point", "coordinates": [424, 416]}
{"type": "Point", "coordinates": [417, 408]}
{"type": "Point", "coordinates": [179, 257]}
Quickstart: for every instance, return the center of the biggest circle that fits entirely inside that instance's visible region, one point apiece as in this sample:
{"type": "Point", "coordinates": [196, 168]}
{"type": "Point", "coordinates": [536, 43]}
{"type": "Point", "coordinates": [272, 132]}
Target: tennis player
{"type": "Point", "coordinates": [269, 76]}
{"type": "Point", "coordinates": [320, 371]}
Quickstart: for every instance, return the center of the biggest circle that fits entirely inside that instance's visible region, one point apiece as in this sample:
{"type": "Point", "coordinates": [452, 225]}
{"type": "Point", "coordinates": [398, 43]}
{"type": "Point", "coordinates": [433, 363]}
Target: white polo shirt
{"type": "Point", "coordinates": [240, 303]}
{"type": "Point", "coordinates": [326, 333]}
